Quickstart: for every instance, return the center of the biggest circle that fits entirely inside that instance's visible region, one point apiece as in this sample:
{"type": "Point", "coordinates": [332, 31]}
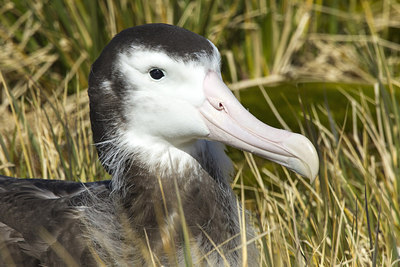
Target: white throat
{"type": "Point", "coordinates": [163, 159]}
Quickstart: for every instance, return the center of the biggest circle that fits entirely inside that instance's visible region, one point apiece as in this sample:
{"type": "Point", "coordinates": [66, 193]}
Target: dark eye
{"type": "Point", "coordinates": [156, 74]}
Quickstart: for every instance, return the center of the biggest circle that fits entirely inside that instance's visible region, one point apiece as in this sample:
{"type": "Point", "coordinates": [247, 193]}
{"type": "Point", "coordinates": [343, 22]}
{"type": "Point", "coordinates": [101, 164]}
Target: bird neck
{"type": "Point", "coordinates": [194, 188]}
{"type": "Point", "coordinates": [162, 161]}
{"type": "Point", "coordinates": [150, 207]}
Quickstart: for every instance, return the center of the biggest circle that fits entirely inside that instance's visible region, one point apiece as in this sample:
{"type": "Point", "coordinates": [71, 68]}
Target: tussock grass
{"type": "Point", "coordinates": [350, 216]}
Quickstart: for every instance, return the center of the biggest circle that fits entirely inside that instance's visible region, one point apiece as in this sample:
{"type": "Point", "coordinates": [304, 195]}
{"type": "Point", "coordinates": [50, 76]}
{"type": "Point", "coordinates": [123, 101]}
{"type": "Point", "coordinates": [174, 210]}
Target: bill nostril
{"type": "Point", "coordinates": [217, 104]}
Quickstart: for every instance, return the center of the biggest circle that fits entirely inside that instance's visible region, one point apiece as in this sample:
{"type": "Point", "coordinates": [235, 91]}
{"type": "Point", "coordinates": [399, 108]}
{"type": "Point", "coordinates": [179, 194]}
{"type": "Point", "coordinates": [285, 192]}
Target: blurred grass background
{"type": "Point", "coordinates": [328, 69]}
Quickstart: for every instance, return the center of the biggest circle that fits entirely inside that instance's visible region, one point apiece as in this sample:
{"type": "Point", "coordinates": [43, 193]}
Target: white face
{"type": "Point", "coordinates": [165, 109]}
{"type": "Point", "coordinates": [167, 114]}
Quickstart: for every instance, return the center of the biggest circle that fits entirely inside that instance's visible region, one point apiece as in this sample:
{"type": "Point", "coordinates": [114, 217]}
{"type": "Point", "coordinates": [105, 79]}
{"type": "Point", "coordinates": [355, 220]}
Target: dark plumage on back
{"type": "Point", "coordinates": [35, 213]}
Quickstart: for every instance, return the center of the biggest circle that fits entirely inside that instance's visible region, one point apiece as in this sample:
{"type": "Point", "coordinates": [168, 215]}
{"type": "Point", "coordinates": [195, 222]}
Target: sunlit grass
{"type": "Point", "coordinates": [350, 216]}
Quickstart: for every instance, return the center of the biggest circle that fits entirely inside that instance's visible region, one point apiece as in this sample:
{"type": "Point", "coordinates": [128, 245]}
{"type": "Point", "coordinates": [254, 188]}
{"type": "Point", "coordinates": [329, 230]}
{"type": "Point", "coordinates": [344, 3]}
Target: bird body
{"type": "Point", "coordinates": [159, 110]}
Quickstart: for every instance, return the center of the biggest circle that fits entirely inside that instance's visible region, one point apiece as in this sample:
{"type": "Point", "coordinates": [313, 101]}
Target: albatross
{"type": "Point", "coordinates": [160, 116]}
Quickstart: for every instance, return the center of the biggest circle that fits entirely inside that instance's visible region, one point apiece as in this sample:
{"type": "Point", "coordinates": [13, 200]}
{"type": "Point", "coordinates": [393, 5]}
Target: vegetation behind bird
{"type": "Point", "coordinates": [350, 216]}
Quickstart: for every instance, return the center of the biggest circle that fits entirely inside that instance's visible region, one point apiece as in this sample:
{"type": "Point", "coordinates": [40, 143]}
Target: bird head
{"type": "Point", "coordinates": [158, 86]}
